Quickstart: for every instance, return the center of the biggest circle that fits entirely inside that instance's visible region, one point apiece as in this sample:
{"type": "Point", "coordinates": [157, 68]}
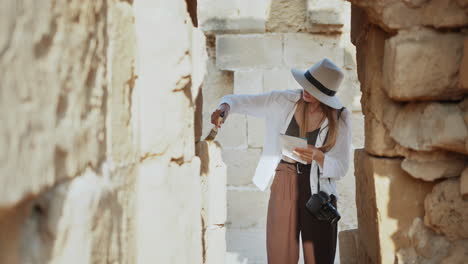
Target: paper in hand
{"type": "Point", "coordinates": [289, 143]}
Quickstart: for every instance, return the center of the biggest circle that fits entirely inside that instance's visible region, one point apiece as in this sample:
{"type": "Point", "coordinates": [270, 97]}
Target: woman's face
{"type": "Point", "coordinates": [308, 97]}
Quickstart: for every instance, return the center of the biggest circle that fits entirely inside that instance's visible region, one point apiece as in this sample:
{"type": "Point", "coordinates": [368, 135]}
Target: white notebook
{"type": "Point", "coordinates": [288, 143]}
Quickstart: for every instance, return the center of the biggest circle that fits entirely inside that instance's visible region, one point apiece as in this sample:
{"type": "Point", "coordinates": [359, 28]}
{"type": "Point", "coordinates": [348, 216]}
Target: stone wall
{"type": "Point", "coordinates": [411, 175]}
{"type": "Point", "coordinates": [99, 158]}
{"type": "Point", "coordinates": [251, 47]}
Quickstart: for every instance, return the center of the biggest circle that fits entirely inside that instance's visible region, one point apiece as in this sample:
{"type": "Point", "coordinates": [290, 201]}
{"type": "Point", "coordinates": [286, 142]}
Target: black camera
{"type": "Point", "coordinates": [319, 204]}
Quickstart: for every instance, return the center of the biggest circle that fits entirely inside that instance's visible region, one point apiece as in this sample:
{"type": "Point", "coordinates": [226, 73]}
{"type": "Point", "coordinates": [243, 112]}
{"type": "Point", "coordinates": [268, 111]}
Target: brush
{"type": "Point", "coordinates": [214, 130]}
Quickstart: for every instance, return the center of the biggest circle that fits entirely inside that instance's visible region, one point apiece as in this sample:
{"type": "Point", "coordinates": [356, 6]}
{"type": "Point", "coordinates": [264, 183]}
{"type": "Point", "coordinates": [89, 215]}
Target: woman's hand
{"type": "Point", "coordinates": [310, 153]}
{"type": "Point", "coordinates": [215, 116]}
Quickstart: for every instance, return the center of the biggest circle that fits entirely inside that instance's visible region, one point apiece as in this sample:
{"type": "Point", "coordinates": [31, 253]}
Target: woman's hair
{"type": "Point", "coordinates": [331, 114]}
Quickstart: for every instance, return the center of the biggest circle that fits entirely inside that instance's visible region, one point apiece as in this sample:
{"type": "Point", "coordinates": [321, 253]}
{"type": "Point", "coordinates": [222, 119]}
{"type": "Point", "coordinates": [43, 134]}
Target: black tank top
{"type": "Point", "coordinates": [293, 130]}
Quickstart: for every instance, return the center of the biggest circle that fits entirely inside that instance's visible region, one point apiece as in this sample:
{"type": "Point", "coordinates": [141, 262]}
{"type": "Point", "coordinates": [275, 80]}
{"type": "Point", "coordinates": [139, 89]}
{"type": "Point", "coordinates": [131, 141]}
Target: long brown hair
{"type": "Point", "coordinates": [330, 113]}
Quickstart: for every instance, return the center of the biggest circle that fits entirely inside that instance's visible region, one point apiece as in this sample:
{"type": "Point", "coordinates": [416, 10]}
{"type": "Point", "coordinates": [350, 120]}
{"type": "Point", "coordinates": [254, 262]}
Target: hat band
{"type": "Point", "coordinates": [318, 84]}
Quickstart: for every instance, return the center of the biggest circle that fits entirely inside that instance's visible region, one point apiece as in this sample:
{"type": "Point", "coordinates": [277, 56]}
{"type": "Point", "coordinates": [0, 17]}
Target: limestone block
{"type": "Point", "coordinates": [217, 84]}
{"type": "Point", "coordinates": [246, 244]}
{"type": "Point", "coordinates": [225, 16]}
{"type": "Point", "coordinates": [463, 71]}
{"type": "Point", "coordinates": [434, 59]}
{"type": "Point", "coordinates": [241, 164]}
{"type": "Point", "coordinates": [286, 16]}
{"type": "Point", "coordinates": [213, 183]}
{"type": "Point", "coordinates": [401, 14]}
{"type": "Point", "coordinates": [247, 207]}
{"type": "Point", "coordinates": [428, 247]}
{"type": "Point", "coordinates": [278, 79]}
{"type": "Point", "coordinates": [248, 51]}
{"type": "Point", "coordinates": [199, 61]}
{"type": "Point", "coordinates": [233, 133]}
{"type": "Point", "coordinates": [215, 245]}
{"type": "Point", "coordinates": [164, 79]}
{"type": "Point", "coordinates": [430, 126]}
{"type": "Point", "coordinates": [348, 246]}
{"type": "Point", "coordinates": [121, 97]}
{"type": "Point", "coordinates": [72, 222]}
{"type": "Point", "coordinates": [388, 200]}
{"type": "Point", "coordinates": [303, 50]}
{"type": "Point", "coordinates": [53, 79]}
{"type": "Point", "coordinates": [464, 184]}
{"type": "Point", "coordinates": [256, 130]}
{"type": "Point", "coordinates": [168, 193]}
{"type": "Point", "coordinates": [435, 167]}
{"type": "Point", "coordinates": [326, 16]}
{"type": "Point", "coordinates": [359, 23]}
{"type": "Point", "coordinates": [248, 82]}
{"type": "Point", "coordinates": [446, 211]}
{"type": "Point", "coordinates": [377, 107]}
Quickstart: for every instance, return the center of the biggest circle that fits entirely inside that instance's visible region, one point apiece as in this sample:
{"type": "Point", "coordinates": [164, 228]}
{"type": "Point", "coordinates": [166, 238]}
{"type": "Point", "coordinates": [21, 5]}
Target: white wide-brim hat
{"type": "Point", "coordinates": [322, 81]}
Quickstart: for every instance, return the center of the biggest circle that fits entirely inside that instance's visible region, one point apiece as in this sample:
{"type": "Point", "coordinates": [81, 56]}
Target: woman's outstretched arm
{"type": "Point", "coordinates": [258, 105]}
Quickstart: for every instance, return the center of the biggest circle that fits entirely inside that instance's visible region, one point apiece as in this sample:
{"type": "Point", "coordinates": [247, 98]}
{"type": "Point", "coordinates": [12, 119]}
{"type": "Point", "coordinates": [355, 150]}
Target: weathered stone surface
{"type": "Point", "coordinates": [446, 211]}
{"type": "Point", "coordinates": [279, 79]}
{"type": "Point", "coordinates": [430, 126]}
{"type": "Point", "coordinates": [429, 248]}
{"type": "Point", "coordinates": [464, 184]}
{"type": "Point", "coordinates": [434, 59]}
{"type": "Point", "coordinates": [248, 82]}
{"type": "Point", "coordinates": [241, 165]}
{"type": "Point", "coordinates": [286, 16]}
{"type": "Point", "coordinates": [215, 242]}
{"type": "Point", "coordinates": [176, 188]}
{"type": "Point", "coordinates": [378, 109]}
{"type": "Point", "coordinates": [247, 207]}
{"type": "Point", "coordinates": [72, 222]}
{"type": "Point", "coordinates": [326, 16]}
{"type": "Point", "coordinates": [388, 200]}
{"type": "Point", "coordinates": [213, 183]}
{"type": "Point", "coordinates": [303, 50]}
{"type": "Point", "coordinates": [433, 166]}
{"type": "Point", "coordinates": [400, 14]}
{"type": "Point", "coordinates": [160, 88]}
{"type": "Point", "coordinates": [348, 246]}
{"type": "Point", "coordinates": [255, 132]}
{"type": "Point", "coordinates": [233, 133]}
{"type": "Point", "coordinates": [53, 79]}
{"type": "Point", "coordinates": [248, 51]}
{"type": "Point", "coordinates": [121, 97]}
{"type": "Point", "coordinates": [217, 84]}
{"type": "Point", "coordinates": [226, 16]}
{"type": "Point", "coordinates": [359, 23]}
{"type": "Point", "coordinates": [463, 71]}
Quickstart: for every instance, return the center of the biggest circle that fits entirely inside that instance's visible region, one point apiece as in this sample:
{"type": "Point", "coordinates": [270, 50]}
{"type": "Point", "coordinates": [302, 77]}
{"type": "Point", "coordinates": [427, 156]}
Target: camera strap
{"type": "Point", "coordinates": [326, 137]}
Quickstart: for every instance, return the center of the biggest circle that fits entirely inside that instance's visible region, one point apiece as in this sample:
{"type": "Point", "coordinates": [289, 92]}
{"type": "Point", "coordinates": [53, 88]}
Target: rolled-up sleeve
{"type": "Point", "coordinates": [257, 105]}
{"type": "Point", "coordinates": [336, 161]}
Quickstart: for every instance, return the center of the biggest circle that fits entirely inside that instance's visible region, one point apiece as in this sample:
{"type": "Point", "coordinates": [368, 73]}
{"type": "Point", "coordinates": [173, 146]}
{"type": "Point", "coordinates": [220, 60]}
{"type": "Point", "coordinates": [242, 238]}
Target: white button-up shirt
{"type": "Point", "coordinates": [278, 108]}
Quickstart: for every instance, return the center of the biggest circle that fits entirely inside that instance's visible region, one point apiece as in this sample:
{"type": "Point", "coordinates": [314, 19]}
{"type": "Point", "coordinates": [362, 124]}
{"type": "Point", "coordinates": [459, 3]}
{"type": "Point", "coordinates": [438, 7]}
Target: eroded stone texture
{"type": "Point", "coordinates": [377, 107]}
{"type": "Point", "coordinates": [52, 74]}
{"type": "Point", "coordinates": [226, 16]}
{"type": "Point", "coordinates": [434, 60]}
{"type": "Point", "coordinates": [326, 16]}
{"type": "Point", "coordinates": [464, 184]}
{"type": "Point", "coordinates": [286, 16]}
{"type": "Point", "coordinates": [429, 248]}
{"type": "Point", "coordinates": [446, 211]}
{"type": "Point", "coordinates": [430, 126]}
{"type": "Point", "coordinates": [433, 165]}
{"type": "Point", "coordinates": [400, 14]}
{"type": "Point", "coordinates": [388, 200]}
{"type": "Point", "coordinates": [348, 246]}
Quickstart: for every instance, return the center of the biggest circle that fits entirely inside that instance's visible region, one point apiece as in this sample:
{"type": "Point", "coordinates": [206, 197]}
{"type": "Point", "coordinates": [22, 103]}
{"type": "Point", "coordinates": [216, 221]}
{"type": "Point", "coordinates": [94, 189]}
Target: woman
{"type": "Point", "coordinates": [313, 112]}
